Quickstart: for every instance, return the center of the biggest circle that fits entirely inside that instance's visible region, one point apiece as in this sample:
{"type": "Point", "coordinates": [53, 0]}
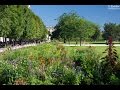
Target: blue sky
{"type": "Point", "coordinates": [99, 14]}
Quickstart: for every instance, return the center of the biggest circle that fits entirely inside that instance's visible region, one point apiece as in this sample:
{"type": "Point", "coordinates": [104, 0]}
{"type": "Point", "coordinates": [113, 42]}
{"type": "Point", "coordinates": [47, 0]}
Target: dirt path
{"type": "Point", "coordinates": [17, 47]}
{"type": "Point", "coordinates": [88, 45]}
{"type": "Point", "coordinates": [34, 44]}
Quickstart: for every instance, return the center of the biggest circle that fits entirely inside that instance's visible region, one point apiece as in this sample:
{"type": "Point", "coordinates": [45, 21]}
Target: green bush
{"type": "Point", "coordinates": [114, 80]}
{"type": "Point", "coordinates": [59, 74]}
{"type": "Point", "coordinates": [54, 64]}
{"type": "Point", "coordinates": [87, 61]}
{"type": "Point", "coordinates": [7, 73]}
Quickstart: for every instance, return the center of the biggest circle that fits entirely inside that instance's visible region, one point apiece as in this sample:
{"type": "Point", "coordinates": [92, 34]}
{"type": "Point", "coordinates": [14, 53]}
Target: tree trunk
{"type": "Point", "coordinates": [80, 41]}
{"type": "Point", "coordinates": [64, 40]}
{"type": "Point", "coordinates": [20, 41]}
{"type": "Point", "coordinates": [69, 41]}
{"type": "Point", "coordinates": [14, 42]}
{"type": "Point", "coordinates": [10, 41]}
{"type": "Point", "coordinates": [76, 42]}
{"type": "Point", "coordinates": [5, 41]}
{"type": "Point", "coordinates": [25, 41]}
{"type": "Point", "coordinates": [36, 41]}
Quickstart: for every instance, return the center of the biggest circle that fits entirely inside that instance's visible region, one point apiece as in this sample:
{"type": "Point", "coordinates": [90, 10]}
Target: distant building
{"type": "Point", "coordinates": [50, 30]}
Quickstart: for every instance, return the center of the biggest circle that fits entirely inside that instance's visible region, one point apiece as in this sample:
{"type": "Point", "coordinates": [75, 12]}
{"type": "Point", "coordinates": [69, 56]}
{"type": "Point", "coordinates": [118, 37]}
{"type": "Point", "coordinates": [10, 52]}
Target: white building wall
{"type": "Point", "coordinates": [50, 29]}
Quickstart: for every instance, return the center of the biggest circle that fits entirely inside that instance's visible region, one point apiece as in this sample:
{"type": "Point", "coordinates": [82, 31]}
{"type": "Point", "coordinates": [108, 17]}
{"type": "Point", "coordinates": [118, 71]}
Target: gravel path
{"type": "Point", "coordinates": [17, 47]}
{"type": "Point", "coordinates": [89, 45]}
{"type": "Point", "coordinates": [27, 45]}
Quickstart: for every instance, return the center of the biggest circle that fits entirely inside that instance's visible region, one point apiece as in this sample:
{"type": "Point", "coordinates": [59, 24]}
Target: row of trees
{"type": "Point", "coordinates": [73, 27]}
{"type": "Point", "coordinates": [111, 29]}
{"type": "Point", "coordinates": [19, 23]}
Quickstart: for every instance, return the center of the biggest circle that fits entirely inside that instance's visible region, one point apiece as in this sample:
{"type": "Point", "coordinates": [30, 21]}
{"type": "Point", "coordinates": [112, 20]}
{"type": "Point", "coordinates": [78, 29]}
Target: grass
{"type": "Point", "coordinates": [97, 42]}
{"type": "Point", "coordinates": [98, 49]}
{"type": "Point", "coordinates": [35, 49]}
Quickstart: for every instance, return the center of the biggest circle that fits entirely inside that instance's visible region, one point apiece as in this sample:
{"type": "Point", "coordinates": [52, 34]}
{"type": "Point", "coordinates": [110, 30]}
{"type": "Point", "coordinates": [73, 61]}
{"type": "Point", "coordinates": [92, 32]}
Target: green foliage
{"type": "Point", "coordinates": [18, 22]}
{"type": "Point", "coordinates": [114, 80]}
{"type": "Point", "coordinates": [60, 74]}
{"type": "Point", "coordinates": [7, 73]}
{"type": "Point", "coordinates": [54, 64]}
{"type": "Point", "coordinates": [109, 63]}
{"type": "Point", "coordinates": [73, 27]}
{"type": "Point", "coordinates": [87, 61]}
{"type": "Point", "coordinates": [97, 34]}
{"type": "Point", "coordinates": [111, 29]}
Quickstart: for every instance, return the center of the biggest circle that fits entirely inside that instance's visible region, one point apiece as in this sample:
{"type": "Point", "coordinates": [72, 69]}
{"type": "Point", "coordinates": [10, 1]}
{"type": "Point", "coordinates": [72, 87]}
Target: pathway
{"type": "Point", "coordinates": [27, 45]}
{"type": "Point", "coordinates": [17, 47]}
{"type": "Point", "coordinates": [89, 45]}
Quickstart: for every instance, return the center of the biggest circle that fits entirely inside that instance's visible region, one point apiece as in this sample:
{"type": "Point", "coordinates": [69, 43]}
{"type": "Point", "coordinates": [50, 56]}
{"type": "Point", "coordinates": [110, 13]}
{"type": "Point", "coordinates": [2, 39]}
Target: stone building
{"type": "Point", "coordinates": [50, 30]}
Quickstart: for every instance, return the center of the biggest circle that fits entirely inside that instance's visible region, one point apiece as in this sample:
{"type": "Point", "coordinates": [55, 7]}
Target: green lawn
{"type": "Point", "coordinates": [98, 49]}
{"type": "Point", "coordinates": [97, 42]}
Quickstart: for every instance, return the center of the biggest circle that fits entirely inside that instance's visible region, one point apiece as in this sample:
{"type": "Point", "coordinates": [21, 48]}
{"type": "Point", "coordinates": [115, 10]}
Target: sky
{"type": "Point", "coordinates": [99, 14]}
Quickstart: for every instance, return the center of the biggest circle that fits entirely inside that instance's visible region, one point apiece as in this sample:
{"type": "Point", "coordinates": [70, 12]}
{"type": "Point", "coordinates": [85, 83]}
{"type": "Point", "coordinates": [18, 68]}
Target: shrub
{"type": "Point", "coordinates": [109, 63]}
{"type": "Point", "coordinates": [7, 73]}
{"type": "Point", "coordinates": [54, 64]}
{"type": "Point", "coordinates": [87, 62]}
{"type": "Point", "coordinates": [114, 80]}
{"type": "Point", "coordinates": [59, 74]}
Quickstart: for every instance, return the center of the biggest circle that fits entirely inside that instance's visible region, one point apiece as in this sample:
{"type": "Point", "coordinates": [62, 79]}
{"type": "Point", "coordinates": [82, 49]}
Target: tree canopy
{"type": "Point", "coordinates": [71, 26]}
{"type": "Point", "coordinates": [111, 29]}
{"type": "Point", "coordinates": [18, 22]}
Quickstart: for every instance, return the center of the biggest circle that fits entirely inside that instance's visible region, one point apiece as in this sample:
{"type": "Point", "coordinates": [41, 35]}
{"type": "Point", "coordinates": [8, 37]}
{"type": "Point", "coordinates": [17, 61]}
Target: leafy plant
{"type": "Point", "coordinates": [87, 62]}
{"type": "Point", "coordinates": [109, 62]}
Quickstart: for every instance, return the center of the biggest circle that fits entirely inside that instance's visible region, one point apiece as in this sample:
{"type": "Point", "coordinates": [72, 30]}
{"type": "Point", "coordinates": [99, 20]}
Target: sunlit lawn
{"type": "Point", "coordinates": [98, 42]}
{"type": "Point", "coordinates": [98, 49]}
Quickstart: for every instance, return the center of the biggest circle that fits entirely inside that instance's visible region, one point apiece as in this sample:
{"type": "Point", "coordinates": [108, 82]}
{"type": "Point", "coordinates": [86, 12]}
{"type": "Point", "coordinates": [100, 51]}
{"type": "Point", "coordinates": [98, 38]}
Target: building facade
{"type": "Point", "coordinates": [50, 30]}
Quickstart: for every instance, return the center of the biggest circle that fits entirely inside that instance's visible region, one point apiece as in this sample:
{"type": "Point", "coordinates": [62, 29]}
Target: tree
{"type": "Point", "coordinates": [5, 22]}
{"type": "Point", "coordinates": [86, 30]}
{"type": "Point", "coordinates": [16, 15]}
{"type": "Point", "coordinates": [18, 23]}
{"type": "Point", "coordinates": [71, 27]}
{"type": "Point", "coordinates": [118, 32]}
{"type": "Point", "coordinates": [35, 28]}
{"type": "Point", "coordinates": [97, 34]}
{"type": "Point", "coordinates": [65, 26]}
{"type": "Point", "coordinates": [111, 29]}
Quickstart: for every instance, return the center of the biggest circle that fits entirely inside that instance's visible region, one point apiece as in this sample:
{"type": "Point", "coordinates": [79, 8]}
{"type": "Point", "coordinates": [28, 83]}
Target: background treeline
{"type": "Point", "coordinates": [20, 24]}
{"type": "Point", "coordinates": [112, 29]}
{"type": "Point", "coordinates": [72, 27]}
